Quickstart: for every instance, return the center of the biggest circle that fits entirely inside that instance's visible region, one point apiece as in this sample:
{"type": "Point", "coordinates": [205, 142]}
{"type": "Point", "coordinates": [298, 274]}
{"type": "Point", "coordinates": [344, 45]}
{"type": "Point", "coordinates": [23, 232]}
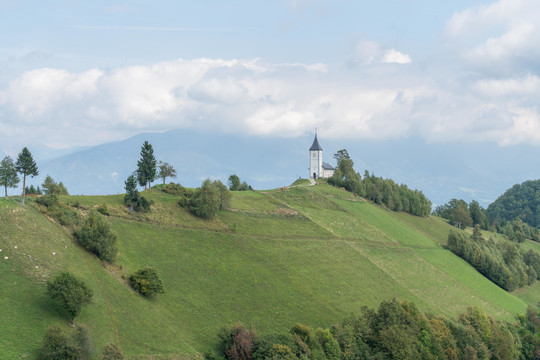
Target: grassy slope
{"type": "Point", "coordinates": [307, 254]}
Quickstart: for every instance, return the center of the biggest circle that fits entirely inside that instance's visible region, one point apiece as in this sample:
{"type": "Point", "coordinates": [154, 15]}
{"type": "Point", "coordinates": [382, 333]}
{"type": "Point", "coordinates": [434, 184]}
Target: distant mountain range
{"type": "Point", "coordinates": [442, 171]}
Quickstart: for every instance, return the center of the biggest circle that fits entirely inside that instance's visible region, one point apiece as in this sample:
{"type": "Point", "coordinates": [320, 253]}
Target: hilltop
{"type": "Point", "coordinates": [310, 254]}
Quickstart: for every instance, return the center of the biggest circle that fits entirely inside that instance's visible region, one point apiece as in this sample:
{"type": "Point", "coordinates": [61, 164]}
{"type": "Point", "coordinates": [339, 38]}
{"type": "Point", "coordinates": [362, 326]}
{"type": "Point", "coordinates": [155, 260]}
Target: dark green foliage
{"type": "Point", "coordinates": [48, 201]}
{"type": "Point", "coordinates": [178, 190]}
{"type": "Point", "coordinates": [503, 264]}
{"type": "Point", "coordinates": [58, 346]}
{"type": "Point", "coordinates": [112, 352]}
{"type": "Point", "coordinates": [72, 292]}
{"type": "Point", "coordinates": [60, 212]}
{"type": "Point", "coordinates": [27, 167]}
{"type": "Point", "coordinates": [133, 198]}
{"type": "Point", "coordinates": [458, 214]}
{"type": "Point", "coordinates": [237, 343]}
{"type": "Point", "coordinates": [529, 333]}
{"type": "Point", "coordinates": [103, 209]}
{"type": "Point", "coordinates": [522, 201]}
{"type": "Point", "coordinates": [234, 182]}
{"type": "Point", "coordinates": [8, 174]}
{"type": "Point", "coordinates": [130, 185]}
{"type": "Point", "coordinates": [532, 259]}
{"type": "Point", "coordinates": [50, 187]}
{"type": "Point", "coordinates": [96, 236]}
{"type": "Point", "coordinates": [208, 199]}
{"type": "Point", "coordinates": [224, 195]}
{"type": "Point", "coordinates": [341, 154]}
{"type": "Point", "coordinates": [381, 191]}
{"type": "Point", "coordinates": [396, 330]}
{"type": "Point", "coordinates": [166, 170]}
{"type": "Point", "coordinates": [146, 166]}
{"type": "Point", "coordinates": [478, 215]}
{"type": "Point", "coordinates": [33, 190]}
{"type": "Point", "coordinates": [236, 185]}
{"type": "Point", "coordinates": [146, 281]}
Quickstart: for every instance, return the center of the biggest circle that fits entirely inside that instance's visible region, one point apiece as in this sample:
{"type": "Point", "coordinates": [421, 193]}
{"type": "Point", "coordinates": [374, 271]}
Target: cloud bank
{"type": "Point", "coordinates": [481, 83]}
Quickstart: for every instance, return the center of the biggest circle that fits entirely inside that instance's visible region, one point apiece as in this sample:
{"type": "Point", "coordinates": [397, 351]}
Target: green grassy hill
{"type": "Point", "coordinates": [310, 254]}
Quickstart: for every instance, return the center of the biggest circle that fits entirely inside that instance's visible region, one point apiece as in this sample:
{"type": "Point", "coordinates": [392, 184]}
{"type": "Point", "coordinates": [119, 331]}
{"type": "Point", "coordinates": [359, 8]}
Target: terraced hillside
{"type": "Point", "coordinates": [310, 254]}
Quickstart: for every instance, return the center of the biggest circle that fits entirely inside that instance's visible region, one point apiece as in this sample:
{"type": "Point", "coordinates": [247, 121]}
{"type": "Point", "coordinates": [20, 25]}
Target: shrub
{"type": "Point", "coordinates": [209, 198]}
{"type": "Point", "coordinates": [66, 216]}
{"type": "Point", "coordinates": [137, 202]}
{"type": "Point", "coordinates": [146, 281]}
{"type": "Point", "coordinates": [96, 236]}
{"type": "Point", "coordinates": [71, 291]}
{"type": "Point", "coordinates": [57, 346]}
{"type": "Point", "coordinates": [237, 343]}
{"type": "Point", "coordinates": [112, 352]}
{"type": "Point", "coordinates": [48, 201]}
{"type": "Point", "coordinates": [103, 209]}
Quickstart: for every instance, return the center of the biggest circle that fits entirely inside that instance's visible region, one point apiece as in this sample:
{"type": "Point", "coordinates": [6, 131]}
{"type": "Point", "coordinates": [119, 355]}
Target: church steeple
{"type": "Point", "coordinates": [315, 159]}
{"type": "Point", "coordinates": [315, 146]}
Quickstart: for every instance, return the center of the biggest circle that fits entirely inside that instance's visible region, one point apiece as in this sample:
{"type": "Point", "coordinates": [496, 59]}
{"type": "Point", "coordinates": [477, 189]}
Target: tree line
{"type": "Point", "coordinates": [503, 263]}
{"type": "Point", "coordinates": [378, 190]}
{"type": "Point", "coordinates": [462, 215]}
{"type": "Point", "coordinates": [396, 330]}
{"type": "Point", "coordinates": [521, 201]}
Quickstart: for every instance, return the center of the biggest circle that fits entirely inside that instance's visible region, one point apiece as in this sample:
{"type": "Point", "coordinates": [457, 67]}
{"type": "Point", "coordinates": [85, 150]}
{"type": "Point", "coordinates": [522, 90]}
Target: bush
{"type": "Point", "coordinates": [58, 346]}
{"type": "Point", "coordinates": [112, 352]}
{"type": "Point", "coordinates": [139, 202]}
{"type": "Point", "coordinates": [48, 201]}
{"type": "Point", "coordinates": [103, 209]}
{"type": "Point", "coordinates": [209, 198]}
{"type": "Point", "coordinates": [146, 281]}
{"type": "Point", "coordinates": [96, 236]}
{"type": "Point", "coordinates": [237, 343]}
{"type": "Point", "coordinates": [66, 216]}
{"type": "Point", "coordinates": [71, 291]}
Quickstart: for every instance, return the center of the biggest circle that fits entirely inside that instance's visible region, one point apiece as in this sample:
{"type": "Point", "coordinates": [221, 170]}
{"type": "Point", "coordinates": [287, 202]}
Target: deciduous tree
{"type": "Point", "coordinates": [27, 167]}
{"type": "Point", "coordinates": [71, 291]}
{"type": "Point", "coordinates": [234, 182]}
{"type": "Point", "coordinates": [96, 236]}
{"type": "Point", "coordinates": [166, 170]}
{"type": "Point", "coordinates": [8, 174]}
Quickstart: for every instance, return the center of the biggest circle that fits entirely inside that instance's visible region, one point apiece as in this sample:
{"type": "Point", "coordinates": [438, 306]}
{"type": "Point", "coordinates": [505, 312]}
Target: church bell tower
{"type": "Point", "coordinates": [315, 160]}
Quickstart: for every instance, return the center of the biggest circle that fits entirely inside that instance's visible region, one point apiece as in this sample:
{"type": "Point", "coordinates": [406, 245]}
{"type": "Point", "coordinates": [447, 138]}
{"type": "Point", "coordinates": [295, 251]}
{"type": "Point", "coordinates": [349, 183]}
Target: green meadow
{"type": "Point", "coordinates": [309, 254]}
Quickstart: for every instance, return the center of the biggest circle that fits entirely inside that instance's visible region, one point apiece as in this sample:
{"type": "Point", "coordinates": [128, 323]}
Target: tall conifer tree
{"type": "Point", "coordinates": [146, 166]}
{"type": "Point", "coordinates": [27, 167]}
{"type": "Point", "coordinates": [8, 174]}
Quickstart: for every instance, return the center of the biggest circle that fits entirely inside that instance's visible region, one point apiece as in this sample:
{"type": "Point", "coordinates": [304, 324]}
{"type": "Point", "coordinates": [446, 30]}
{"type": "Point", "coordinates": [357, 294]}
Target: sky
{"type": "Point", "coordinates": [81, 73]}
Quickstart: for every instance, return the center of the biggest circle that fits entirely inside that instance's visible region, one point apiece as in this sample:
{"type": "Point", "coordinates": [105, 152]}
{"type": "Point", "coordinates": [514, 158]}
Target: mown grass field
{"type": "Point", "coordinates": [310, 254]}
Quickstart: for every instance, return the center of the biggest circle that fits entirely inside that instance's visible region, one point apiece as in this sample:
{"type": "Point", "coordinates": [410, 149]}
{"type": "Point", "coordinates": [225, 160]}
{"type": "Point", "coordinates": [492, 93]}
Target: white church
{"type": "Point", "coordinates": [317, 167]}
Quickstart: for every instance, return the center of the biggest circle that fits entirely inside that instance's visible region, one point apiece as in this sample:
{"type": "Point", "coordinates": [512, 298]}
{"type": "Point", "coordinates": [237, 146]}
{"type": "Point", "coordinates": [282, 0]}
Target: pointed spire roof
{"type": "Point", "coordinates": [315, 145]}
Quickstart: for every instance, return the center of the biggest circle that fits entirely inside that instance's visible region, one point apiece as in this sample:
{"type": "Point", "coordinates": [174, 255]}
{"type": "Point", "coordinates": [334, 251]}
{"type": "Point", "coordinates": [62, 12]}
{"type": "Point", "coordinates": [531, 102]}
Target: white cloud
{"type": "Point", "coordinates": [504, 33]}
{"type": "Point", "coordinates": [380, 101]}
{"type": "Point", "coordinates": [394, 56]}
{"type": "Point", "coordinates": [527, 85]}
{"type": "Point", "coordinates": [369, 52]}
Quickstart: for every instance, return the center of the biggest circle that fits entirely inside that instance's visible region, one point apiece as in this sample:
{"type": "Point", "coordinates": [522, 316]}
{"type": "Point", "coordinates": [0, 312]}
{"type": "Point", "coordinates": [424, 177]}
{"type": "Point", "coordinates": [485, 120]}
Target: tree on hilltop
{"type": "Point", "coordinates": [133, 198]}
{"type": "Point", "coordinates": [27, 167]}
{"type": "Point", "coordinates": [234, 182]}
{"type": "Point", "coordinates": [341, 154]}
{"type": "Point", "coordinates": [166, 170]}
{"type": "Point", "coordinates": [8, 174]}
{"type": "Point", "coordinates": [146, 166]}
{"type": "Point", "coordinates": [51, 187]}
